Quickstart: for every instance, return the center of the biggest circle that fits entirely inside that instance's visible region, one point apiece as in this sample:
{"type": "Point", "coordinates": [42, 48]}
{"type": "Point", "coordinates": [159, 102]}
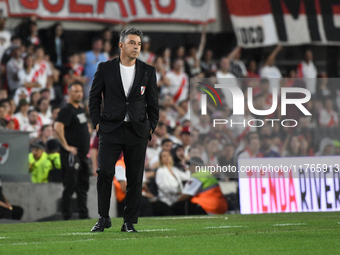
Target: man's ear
{"type": "Point", "coordinates": [120, 45]}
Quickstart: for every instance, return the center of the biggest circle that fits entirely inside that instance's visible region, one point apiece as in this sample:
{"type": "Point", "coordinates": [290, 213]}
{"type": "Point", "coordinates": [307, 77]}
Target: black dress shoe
{"type": "Point", "coordinates": [128, 227]}
{"type": "Point", "coordinates": [101, 224]}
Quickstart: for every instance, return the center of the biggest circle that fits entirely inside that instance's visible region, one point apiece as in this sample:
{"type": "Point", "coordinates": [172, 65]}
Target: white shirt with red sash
{"type": "Point", "coordinates": [179, 86]}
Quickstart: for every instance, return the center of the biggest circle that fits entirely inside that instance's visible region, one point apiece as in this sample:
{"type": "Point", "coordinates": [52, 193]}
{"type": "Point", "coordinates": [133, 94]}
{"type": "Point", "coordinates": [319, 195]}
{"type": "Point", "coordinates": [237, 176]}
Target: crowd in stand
{"type": "Point", "coordinates": [35, 73]}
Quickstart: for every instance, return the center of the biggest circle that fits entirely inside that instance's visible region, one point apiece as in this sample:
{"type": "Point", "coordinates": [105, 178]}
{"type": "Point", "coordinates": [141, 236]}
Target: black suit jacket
{"type": "Point", "coordinates": [141, 103]}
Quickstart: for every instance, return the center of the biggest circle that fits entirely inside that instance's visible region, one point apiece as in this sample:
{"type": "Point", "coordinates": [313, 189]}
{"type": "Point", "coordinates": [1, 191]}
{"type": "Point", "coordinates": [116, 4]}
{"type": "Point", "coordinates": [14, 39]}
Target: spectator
{"type": "Point", "coordinates": [203, 192]}
{"type": "Point", "coordinates": [34, 98]}
{"type": "Point", "coordinates": [307, 70]}
{"type": "Point", "coordinates": [3, 94]}
{"type": "Point", "coordinates": [178, 86]}
{"type": "Point", "coordinates": [42, 70]}
{"type": "Point", "coordinates": [107, 35]}
{"type": "Point", "coordinates": [22, 115]}
{"type": "Point", "coordinates": [327, 116]}
{"type": "Point", "coordinates": [167, 59]}
{"type": "Point", "coordinates": [291, 147]}
{"type": "Point", "coordinates": [57, 47]}
{"type": "Point", "coordinates": [12, 68]}
{"type": "Point", "coordinates": [107, 48]}
{"type": "Point", "coordinates": [326, 147]}
{"type": "Point", "coordinates": [5, 37]}
{"type": "Point", "coordinates": [27, 80]}
{"type": "Point", "coordinates": [3, 121]}
{"type": "Point", "coordinates": [46, 134]}
{"type": "Point", "coordinates": [152, 151]}
{"type": "Point", "coordinates": [252, 70]}
{"type": "Point", "coordinates": [176, 136]}
{"type": "Point", "coordinates": [270, 71]}
{"type": "Point", "coordinates": [146, 55]}
{"type": "Point", "coordinates": [266, 147]}
{"type": "Point", "coordinates": [210, 155]}
{"type": "Point", "coordinates": [185, 138]}
{"type": "Point", "coordinates": [166, 146]}
{"type": "Point", "coordinates": [208, 65]}
{"type": "Point", "coordinates": [15, 43]}
{"type": "Point", "coordinates": [162, 79]}
{"type": "Point", "coordinates": [169, 182]}
{"type": "Point", "coordinates": [39, 164]}
{"type": "Point", "coordinates": [193, 60]}
{"type": "Point", "coordinates": [52, 149]}
{"type": "Point", "coordinates": [93, 58]}
{"type": "Point", "coordinates": [252, 150]}
{"type": "Point", "coordinates": [45, 113]}
{"type": "Point", "coordinates": [33, 37]}
{"type": "Point", "coordinates": [224, 76]}
{"type": "Point", "coordinates": [237, 67]}
{"type": "Point", "coordinates": [33, 126]}
{"type": "Point", "coordinates": [226, 158]}
{"type": "Point", "coordinates": [178, 157]}
{"type": "Point", "coordinates": [10, 114]}
{"type": "Point", "coordinates": [8, 211]}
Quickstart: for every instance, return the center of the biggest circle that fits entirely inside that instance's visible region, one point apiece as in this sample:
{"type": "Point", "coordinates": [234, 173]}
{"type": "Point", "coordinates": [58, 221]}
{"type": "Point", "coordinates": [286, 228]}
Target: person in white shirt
{"type": "Point", "coordinates": [194, 58]}
{"type": "Point", "coordinates": [44, 114]}
{"type": "Point", "coordinates": [270, 71]}
{"type": "Point", "coordinates": [145, 54]}
{"type": "Point", "coordinates": [42, 69]}
{"type": "Point", "coordinates": [33, 126]}
{"type": "Point", "coordinates": [13, 66]}
{"type": "Point", "coordinates": [327, 116]}
{"type": "Point", "coordinates": [307, 70]}
{"type": "Point", "coordinates": [169, 181]}
{"type": "Point", "coordinates": [178, 86]}
{"type": "Point", "coordinates": [22, 115]}
{"type": "Point", "coordinates": [27, 79]}
{"type": "Point", "coordinates": [225, 77]}
{"type": "Point", "coordinates": [5, 37]}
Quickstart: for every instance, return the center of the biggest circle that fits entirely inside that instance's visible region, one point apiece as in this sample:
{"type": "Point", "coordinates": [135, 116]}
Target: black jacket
{"type": "Point", "coordinates": [141, 104]}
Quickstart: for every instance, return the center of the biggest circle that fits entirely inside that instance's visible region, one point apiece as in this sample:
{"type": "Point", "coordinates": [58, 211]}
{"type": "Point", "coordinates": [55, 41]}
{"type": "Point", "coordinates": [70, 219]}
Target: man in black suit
{"type": "Point", "coordinates": [128, 118]}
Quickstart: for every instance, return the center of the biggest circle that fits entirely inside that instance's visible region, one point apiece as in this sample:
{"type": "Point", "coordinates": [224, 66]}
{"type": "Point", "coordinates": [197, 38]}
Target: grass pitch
{"type": "Point", "coordinates": [290, 233]}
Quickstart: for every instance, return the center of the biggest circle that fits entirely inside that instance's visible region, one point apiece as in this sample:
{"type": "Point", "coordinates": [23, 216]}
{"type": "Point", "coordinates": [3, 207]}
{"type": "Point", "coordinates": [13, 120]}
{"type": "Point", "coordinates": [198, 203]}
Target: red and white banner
{"type": "Point", "coordinates": [302, 184]}
{"type": "Point", "coordinates": [288, 22]}
{"type": "Point", "coordinates": [116, 11]}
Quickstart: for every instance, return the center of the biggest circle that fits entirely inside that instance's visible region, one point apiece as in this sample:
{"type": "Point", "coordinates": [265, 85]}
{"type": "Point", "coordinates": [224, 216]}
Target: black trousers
{"type": "Point", "coordinates": [14, 214]}
{"type": "Point", "coordinates": [125, 139]}
{"type": "Point", "coordinates": [76, 178]}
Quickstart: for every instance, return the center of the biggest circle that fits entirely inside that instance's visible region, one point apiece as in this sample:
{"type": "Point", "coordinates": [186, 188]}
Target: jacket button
{"type": "Point", "coordinates": [127, 103]}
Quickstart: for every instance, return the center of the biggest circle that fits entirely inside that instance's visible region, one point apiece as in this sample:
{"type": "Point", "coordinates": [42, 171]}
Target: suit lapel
{"type": "Point", "coordinates": [138, 76]}
{"type": "Point", "coordinates": [116, 73]}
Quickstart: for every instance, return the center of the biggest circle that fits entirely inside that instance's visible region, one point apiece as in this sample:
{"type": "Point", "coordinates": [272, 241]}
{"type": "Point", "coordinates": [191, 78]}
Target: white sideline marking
{"type": "Point", "coordinates": [289, 224]}
{"type": "Point", "coordinates": [154, 230]}
{"type": "Point", "coordinates": [1, 237]}
{"type": "Point", "coordinates": [77, 234]}
{"type": "Point", "coordinates": [226, 227]}
{"type": "Point", "coordinates": [73, 241]}
{"type": "Point", "coordinates": [189, 217]}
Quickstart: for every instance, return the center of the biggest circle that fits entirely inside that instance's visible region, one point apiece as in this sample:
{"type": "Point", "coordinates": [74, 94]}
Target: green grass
{"type": "Point", "coordinates": [291, 233]}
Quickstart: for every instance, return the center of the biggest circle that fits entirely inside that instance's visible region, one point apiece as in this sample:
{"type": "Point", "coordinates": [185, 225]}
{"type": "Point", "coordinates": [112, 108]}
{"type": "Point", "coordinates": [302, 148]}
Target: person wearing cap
{"type": "Point", "coordinates": [202, 193]}
{"type": "Point", "coordinates": [145, 54]}
{"type": "Point", "coordinates": [39, 164]}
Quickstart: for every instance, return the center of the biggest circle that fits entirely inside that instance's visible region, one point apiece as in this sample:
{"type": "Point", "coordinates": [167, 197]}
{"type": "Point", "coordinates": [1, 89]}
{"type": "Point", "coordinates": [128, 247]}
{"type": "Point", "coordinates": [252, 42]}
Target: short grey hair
{"type": "Point", "coordinates": [130, 31]}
